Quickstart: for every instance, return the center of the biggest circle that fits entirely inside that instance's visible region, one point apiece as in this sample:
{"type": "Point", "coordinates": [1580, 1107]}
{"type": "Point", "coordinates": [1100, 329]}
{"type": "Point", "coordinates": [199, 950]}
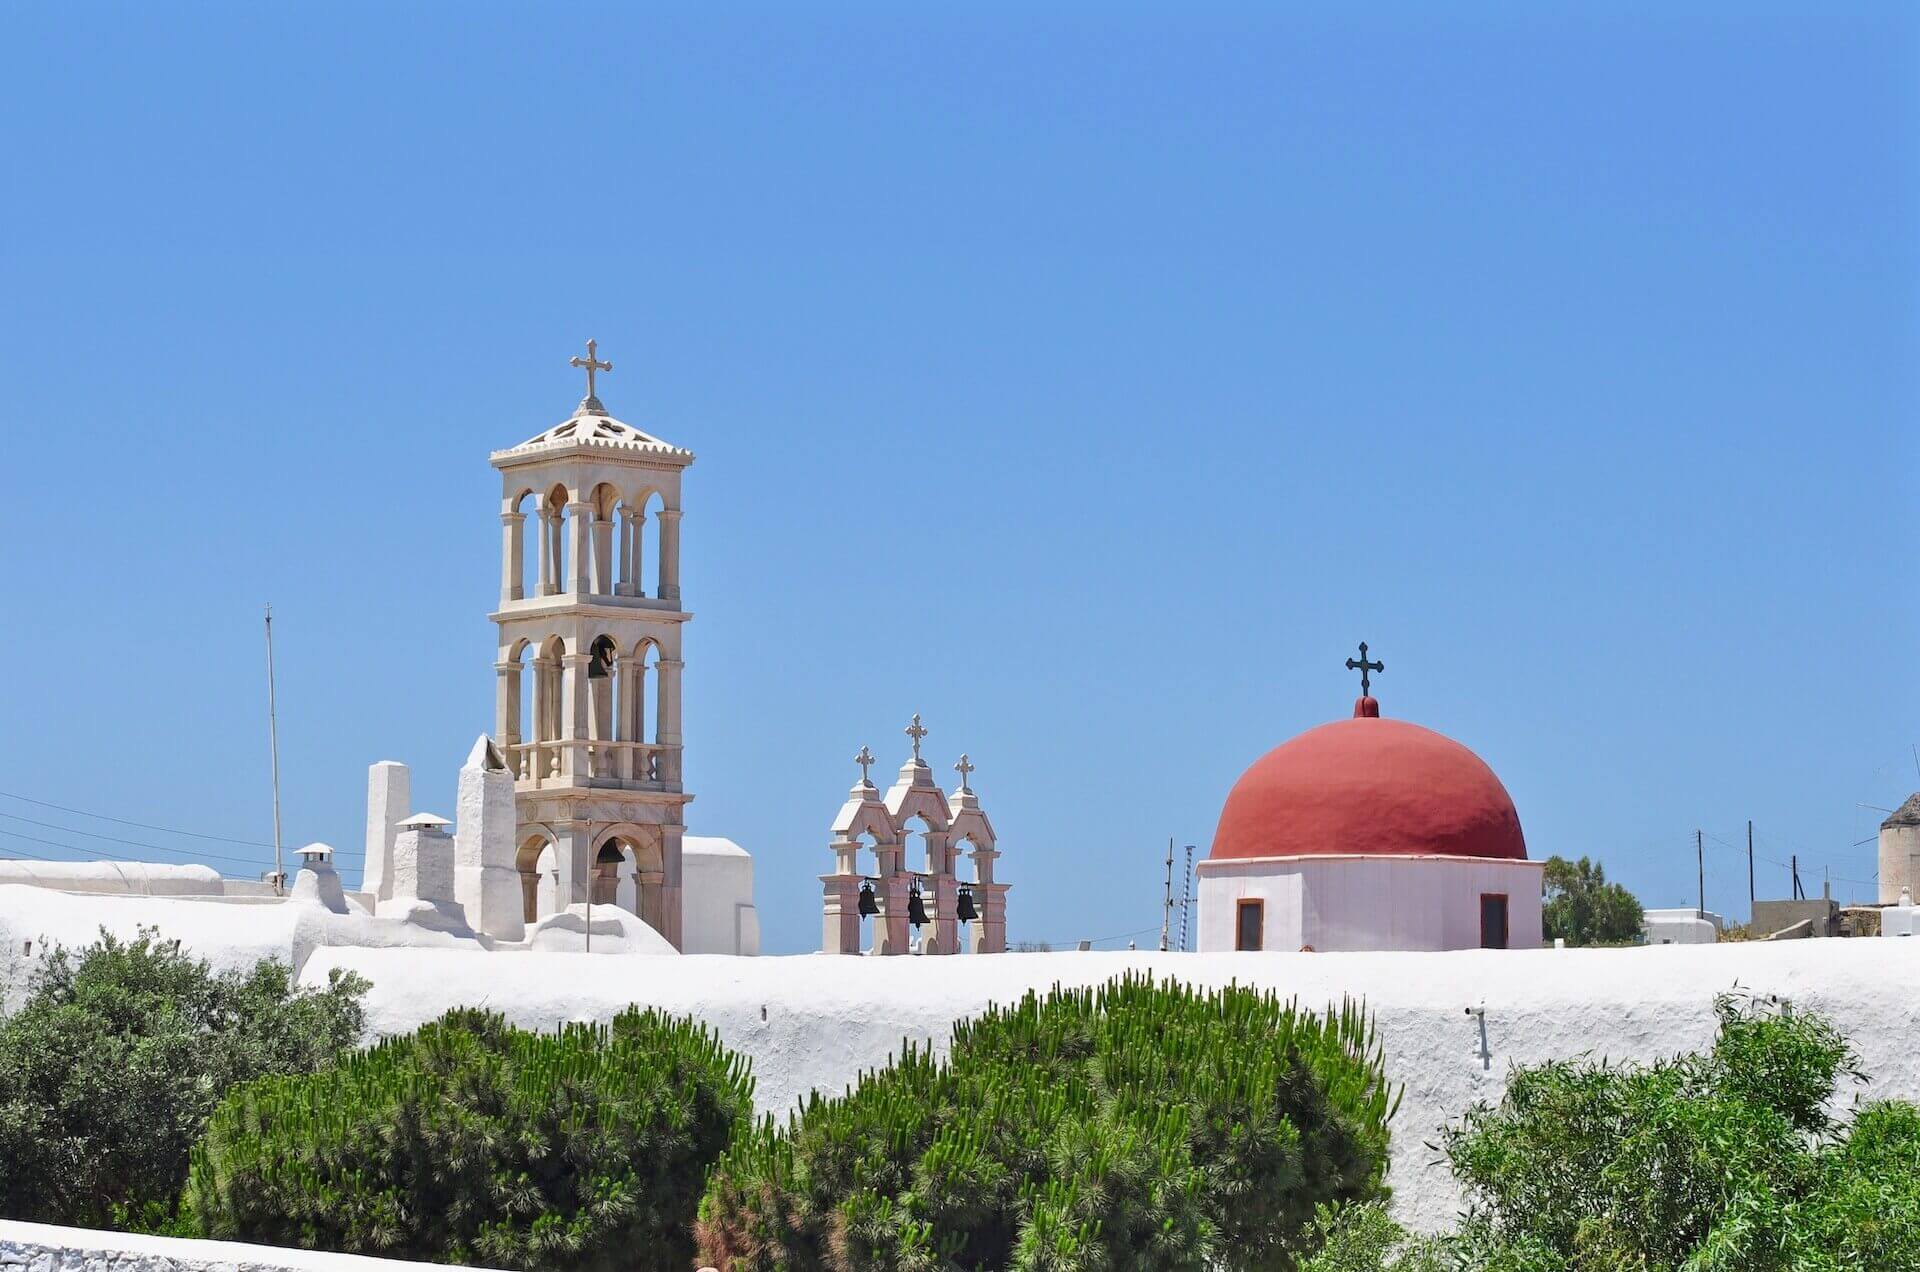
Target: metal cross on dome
{"type": "Point", "coordinates": [1362, 666]}
{"type": "Point", "coordinates": [592, 364]}
{"type": "Point", "coordinates": [865, 761]}
{"type": "Point", "coordinates": [965, 769]}
{"type": "Point", "coordinates": [916, 731]}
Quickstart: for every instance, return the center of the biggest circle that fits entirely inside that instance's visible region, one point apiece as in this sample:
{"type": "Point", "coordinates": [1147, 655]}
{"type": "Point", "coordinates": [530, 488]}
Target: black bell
{"type": "Point", "coordinates": [916, 910]}
{"type": "Point", "coordinates": [868, 906]}
{"type": "Point", "coordinates": [964, 910]}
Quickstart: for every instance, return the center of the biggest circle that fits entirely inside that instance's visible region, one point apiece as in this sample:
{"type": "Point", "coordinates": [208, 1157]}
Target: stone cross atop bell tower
{"type": "Point", "coordinates": [588, 675]}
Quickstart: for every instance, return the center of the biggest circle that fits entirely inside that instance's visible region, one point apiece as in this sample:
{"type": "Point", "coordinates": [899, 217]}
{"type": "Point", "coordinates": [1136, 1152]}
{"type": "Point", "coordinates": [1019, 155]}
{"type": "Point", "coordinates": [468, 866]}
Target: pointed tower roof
{"type": "Point", "coordinates": [1908, 814]}
{"type": "Point", "coordinates": [590, 431]}
{"type": "Point", "coordinates": [593, 433]}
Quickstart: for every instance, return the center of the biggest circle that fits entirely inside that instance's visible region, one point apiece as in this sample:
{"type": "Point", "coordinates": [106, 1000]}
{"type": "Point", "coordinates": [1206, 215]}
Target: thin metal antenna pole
{"type": "Point", "coordinates": [273, 748]}
{"type": "Point", "coordinates": [1186, 900]}
{"type": "Point", "coordinates": [1166, 899]}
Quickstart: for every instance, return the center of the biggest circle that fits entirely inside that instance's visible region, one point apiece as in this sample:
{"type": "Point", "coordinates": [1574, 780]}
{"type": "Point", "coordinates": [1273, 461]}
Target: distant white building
{"type": "Point", "coordinates": [1681, 927]}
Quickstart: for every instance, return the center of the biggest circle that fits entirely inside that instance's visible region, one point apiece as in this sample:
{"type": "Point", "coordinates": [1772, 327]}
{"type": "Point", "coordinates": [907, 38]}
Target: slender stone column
{"type": "Point", "coordinates": [549, 559]}
{"type": "Point", "coordinates": [667, 735]}
{"type": "Point", "coordinates": [671, 896]}
{"type": "Point", "coordinates": [946, 901]}
{"type": "Point", "coordinates": [840, 928]}
{"type": "Point", "coordinates": [890, 930]}
{"type": "Point", "coordinates": [640, 554]}
{"type": "Point", "coordinates": [574, 712]}
{"type": "Point", "coordinates": [669, 691]}
{"type": "Point", "coordinates": [506, 711]}
{"type": "Point", "coordinates": [536, 766]}
{"type": "Point", "coordinates": [670, 554]}
{"type": "Point", "coordinates": [580, 572]}
{"type": "Point", "coordinates": [989, 935]}
{"type": "Point", "coordinates": [628, 557]}
{"type": "Point", "coordinates": [513, 556]}
{"type": "Point", "coordinates": [574, 854]}
{"type": "Point", "coordinates": [625, 669]}
{"type": "Point", "coordinates": [602, 556]}
{"type": "Point", "coordinates": [651, 885]}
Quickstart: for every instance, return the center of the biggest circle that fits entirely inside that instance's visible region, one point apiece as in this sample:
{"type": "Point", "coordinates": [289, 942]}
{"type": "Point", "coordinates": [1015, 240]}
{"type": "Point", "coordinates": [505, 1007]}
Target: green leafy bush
{"type": "Point", "coordinates": [1726, 1161]}
{"type": "Point", "coordinates": [115, 1059]}
{"type": "Point", "coordinates": [1136, 1125]}
{"type": "Point", "coordinates": [471, 1141]}
{"type": "Point", "coordinates": [1582, 908]}
{"type": "Point", "coordinates": [1365, 1238]}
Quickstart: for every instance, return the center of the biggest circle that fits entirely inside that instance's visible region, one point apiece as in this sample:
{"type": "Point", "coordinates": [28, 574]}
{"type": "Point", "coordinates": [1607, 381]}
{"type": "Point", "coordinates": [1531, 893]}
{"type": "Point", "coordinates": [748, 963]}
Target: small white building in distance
{"type": "Point", "coordinates": [1369, 834]}
{"type": "Point", "coordinates": [1686, 926]}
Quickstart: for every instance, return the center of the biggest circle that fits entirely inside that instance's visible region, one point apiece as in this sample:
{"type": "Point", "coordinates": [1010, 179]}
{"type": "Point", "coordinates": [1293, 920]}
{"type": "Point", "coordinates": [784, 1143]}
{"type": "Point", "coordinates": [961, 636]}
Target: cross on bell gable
{"type": "Point", "coordinates": [916, 731]}
{"type": "Point", "coordinates": [591, 363]}
{"type": "Point", "coordinates": [965, 769]}
{"type": "Point", "coordinates": [865, 761]}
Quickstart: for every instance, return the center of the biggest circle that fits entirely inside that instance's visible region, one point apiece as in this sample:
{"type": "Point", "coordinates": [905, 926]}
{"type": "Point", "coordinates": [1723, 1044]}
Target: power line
{"type": "Point", "coordinates": [1098, 939]}
{"type": "Point", "coordinates": [131, 843]}
{"type": "Point", "coordinates": [168, 830]}
{"type": "Point", "coordinates": [135, 843]}
{"type": "Point", "coordinates": [106, 856]}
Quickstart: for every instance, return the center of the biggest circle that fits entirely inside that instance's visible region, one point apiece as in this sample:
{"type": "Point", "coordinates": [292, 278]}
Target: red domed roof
{"type": "Point", "coordinates": [1372, 787]}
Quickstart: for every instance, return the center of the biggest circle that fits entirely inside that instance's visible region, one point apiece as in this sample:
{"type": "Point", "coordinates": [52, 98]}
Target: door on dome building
{"type": "Point", "coordinates": [1249, 918]}
{"type": "Point", "coordinates": [1493, 920]}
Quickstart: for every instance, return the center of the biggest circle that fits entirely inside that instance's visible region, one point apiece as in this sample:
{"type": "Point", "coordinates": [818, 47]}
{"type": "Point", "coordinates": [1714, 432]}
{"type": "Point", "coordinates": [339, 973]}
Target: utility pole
{"type": "Point", "coordinates": [1166, 899]}
{"type": "Point", "coordinates": [1799, 893]}
{"type": "Point", "coordinates": [1750, 892]}
{"type": "Point", "coordinates": [1700, 865]}
{"type": "Point", "coordinates": [273, 750]}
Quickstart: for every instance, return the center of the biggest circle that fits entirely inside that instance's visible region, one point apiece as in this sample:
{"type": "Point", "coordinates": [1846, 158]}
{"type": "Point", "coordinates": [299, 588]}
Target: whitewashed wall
{"type": "Point", "coordinates": [815, 1021]}
{"type": "Point", "coordinates": [36, 1247]}
{"type": "Point", "coordinates": [1369, 903]}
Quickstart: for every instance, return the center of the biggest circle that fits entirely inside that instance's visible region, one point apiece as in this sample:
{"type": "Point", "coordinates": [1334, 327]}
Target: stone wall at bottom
{"type": "Point", "coordinates": [39, 1247]}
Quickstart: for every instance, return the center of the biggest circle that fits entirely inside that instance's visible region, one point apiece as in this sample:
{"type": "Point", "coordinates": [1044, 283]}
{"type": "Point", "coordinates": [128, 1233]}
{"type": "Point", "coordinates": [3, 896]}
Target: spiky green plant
{"type": "Point", "coordinates": [471, 1141]}
{"type": "Point", "coordinates": [1134, 1125]}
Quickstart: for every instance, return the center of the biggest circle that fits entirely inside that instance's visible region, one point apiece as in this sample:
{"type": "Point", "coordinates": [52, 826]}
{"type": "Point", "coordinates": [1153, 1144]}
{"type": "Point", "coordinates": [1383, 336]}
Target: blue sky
{"type": "Point", "coordinates": [1087, 378]}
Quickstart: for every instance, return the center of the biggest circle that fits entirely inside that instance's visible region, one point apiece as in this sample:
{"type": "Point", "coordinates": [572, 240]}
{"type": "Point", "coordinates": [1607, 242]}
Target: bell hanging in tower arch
{"type": "Point", "coordinates": [868, 906]}
{"type": "Point", "coordinates": [916, 908]}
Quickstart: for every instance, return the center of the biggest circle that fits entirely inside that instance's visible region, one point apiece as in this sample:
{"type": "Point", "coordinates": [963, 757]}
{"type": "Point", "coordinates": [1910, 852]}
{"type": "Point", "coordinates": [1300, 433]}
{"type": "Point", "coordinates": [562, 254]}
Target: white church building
{"type": "Point", "coordinates": [1369, 834]}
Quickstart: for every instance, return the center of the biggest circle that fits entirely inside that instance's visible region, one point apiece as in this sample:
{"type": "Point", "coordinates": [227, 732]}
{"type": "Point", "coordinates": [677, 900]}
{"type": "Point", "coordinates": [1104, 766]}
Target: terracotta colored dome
{"type": "Point", "coordinates": [1373, 787]}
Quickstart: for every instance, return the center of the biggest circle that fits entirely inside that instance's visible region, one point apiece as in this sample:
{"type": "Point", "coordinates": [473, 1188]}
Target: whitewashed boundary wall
{"type": "Point", "coordinates": [1452, 1023]}
{"type": "Point", "coordinates": [38, 1247]}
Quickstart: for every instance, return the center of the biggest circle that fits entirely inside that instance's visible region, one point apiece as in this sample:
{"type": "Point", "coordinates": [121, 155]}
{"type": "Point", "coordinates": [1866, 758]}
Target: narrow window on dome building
{"type": "Point", "coordinates": [1249, 921]}
{"type": "Point", "coordinates": [1493, 920]}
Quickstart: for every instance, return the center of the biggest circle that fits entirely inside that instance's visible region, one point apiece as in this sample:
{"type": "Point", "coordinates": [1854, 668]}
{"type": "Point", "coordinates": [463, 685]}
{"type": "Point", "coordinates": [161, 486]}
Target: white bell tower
{"type": "Point", "coordinates": [588, 674]}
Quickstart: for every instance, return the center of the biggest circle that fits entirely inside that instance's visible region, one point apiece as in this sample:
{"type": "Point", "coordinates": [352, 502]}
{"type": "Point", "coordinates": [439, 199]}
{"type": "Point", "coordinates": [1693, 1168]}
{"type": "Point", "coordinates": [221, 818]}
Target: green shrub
{"type": "Point", "coordinates": [1136, 1125]}
{"type": "Point", "coordinates": [1365, 1238]}
{"type": "Point", "coordinates": [1726, 1161]}
{"type": "Point", "coordinates": [115, 1059]}
{"type": "Point", "coordinates": [471, 1141]}
{"type": "Point", "coordinates": [1582, 908]}
{"type": "Point", "coordinates": [1700, 1157]}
